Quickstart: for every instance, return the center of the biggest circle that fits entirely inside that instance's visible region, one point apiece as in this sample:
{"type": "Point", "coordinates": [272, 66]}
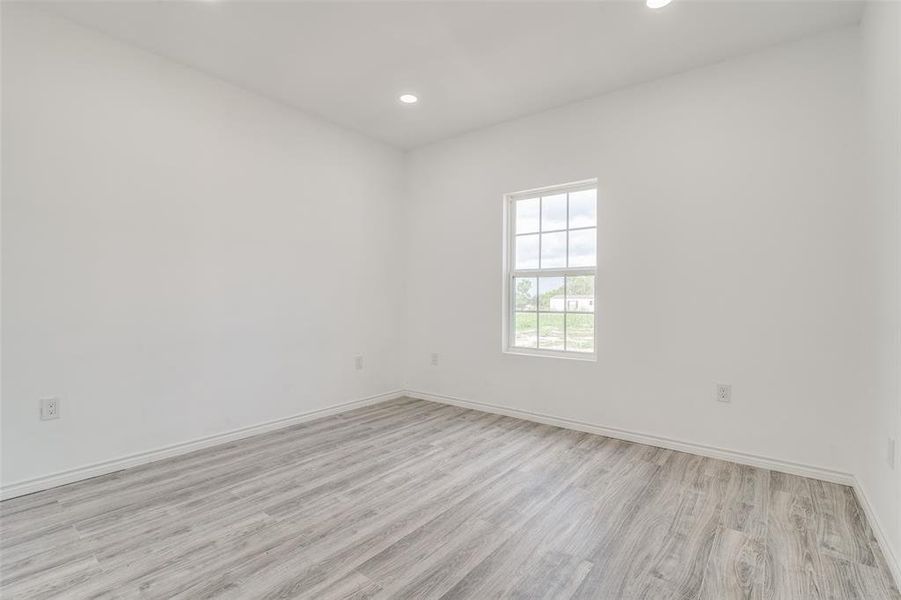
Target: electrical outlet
{"type": "Point", "coordinates": [49, 408]}
{"type": "Point", "coordinates": [434, 359]}
{"type": "Point", "coordinates": [358, 362]}
{"type": "Point", "coordinates": [892, 454]}
{"type": "Point", "coordinates": [723, 392]}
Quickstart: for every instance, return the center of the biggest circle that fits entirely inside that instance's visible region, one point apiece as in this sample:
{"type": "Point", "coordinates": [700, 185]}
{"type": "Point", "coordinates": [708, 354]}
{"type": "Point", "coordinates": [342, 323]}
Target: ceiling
{"type": "Point", "coordinates": [471, 63]}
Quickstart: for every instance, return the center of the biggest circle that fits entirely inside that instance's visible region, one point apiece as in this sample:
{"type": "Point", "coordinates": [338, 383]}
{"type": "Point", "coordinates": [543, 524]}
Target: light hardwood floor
{"type": "Point", "coordinates": [410, 499]}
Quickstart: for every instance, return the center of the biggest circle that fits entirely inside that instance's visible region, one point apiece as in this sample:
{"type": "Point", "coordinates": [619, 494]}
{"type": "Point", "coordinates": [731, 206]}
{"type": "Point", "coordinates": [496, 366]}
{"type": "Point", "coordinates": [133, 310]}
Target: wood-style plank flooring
{"type": "Point", "coordinates": [411, 499]}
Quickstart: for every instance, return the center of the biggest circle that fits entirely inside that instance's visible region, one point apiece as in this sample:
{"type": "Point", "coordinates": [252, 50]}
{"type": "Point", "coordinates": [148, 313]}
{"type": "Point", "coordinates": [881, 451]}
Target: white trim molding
{"type": "Point", "coordinates": [102, 468]}
{"type": "Point", "coordinates": [891, 557]}
{"type": "Point", "coordinates": [743, 458]}
{"type": "Point", "coordinates": [20, 488]}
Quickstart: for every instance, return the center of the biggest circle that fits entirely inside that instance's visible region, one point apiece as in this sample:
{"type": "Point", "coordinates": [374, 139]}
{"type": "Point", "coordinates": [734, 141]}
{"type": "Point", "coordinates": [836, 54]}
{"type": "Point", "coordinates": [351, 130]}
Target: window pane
{"type": "Point", "coordinates": [553, 212]}
{"type": "Point", "coordinates": [527, 251]}
{"type": "Point", "coordinates": [526, 332]}
{"type": "Point", "coordinates": [580, 293]}
{"type": "Point", "coordinates": [550, 293]}
{"type": "Point", "coordinates": [579, 332]}
{"type": "Point", "coordinates": [553, 250]}
{"type": "Point", "coordinates": [582, 247]}
{"type": "Point", "coordinates": [583, 209]}
{"type": "Point", "coordinates": [527, 215]}
{"type": "Point", "coordinates": [550, 331]}
{"type": "Point", "coordinates": [525, 290]}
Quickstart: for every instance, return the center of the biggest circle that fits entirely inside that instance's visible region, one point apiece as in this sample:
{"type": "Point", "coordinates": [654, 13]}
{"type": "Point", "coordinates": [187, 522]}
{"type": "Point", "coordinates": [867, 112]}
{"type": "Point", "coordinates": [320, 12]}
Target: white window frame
{"type": "Point", "coordinates": [510, 272]}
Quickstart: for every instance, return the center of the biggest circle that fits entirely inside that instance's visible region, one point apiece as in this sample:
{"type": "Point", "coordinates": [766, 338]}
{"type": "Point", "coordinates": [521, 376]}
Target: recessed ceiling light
{"type": "Point", "coordinates": [657, 3]}
{"type": "Point", "coordinates": [409, 99]}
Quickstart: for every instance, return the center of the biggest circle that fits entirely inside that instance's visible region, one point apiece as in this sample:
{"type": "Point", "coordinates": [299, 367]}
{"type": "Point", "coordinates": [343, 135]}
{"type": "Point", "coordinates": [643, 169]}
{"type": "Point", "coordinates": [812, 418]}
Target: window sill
{"type": "Point", "coordinates": [576, 356]}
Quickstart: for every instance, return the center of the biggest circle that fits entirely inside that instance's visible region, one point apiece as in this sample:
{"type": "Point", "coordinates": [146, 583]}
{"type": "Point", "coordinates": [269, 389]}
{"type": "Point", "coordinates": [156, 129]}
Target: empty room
{"type": "Point", "coordinates": [451, 299]}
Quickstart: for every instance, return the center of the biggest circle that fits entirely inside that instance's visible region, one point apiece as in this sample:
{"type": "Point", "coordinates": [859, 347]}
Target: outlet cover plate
{"type": "Point", "coordinates": [892, 453]}
{"type": "Point", "coordinates": [49, 408]}
{"type": "Point", "coordinates": [723, 392]}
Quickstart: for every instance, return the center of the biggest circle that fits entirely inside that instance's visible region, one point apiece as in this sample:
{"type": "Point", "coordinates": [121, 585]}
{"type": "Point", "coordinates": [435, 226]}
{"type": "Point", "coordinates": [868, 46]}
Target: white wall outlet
{"type": "Point", "coordinates": [892, 453]}
{"type": "Point", "coordinates": [723, 392]}
{"type": "Point", "coordinates": [358, 362]}
{"type": "Point", "coordinates": [49, 408]}
{"type": "Point", "coordinates": [434, 359]}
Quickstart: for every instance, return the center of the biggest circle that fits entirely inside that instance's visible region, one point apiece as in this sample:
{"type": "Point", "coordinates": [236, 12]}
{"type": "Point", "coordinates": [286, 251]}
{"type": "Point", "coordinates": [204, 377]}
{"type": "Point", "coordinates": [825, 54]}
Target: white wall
{"type": "Point", "coordinates": [180, 257]}
{"type": "Point", "coordinates": [169, 270]}
{"type": "Point", "coordinates": [879, 414]}
{"type": "Point", "coordinates": [733, 247]}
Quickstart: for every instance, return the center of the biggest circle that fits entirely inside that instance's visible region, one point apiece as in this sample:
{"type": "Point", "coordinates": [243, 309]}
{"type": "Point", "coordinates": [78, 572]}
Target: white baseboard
{"type": "Point", "coordinates": [891, 557]}
{"type": "Point", "coordinates": [742, 458]}
{"type": "Point", "coordinates": [102, 468]}
{"type": "Point", "coordinates": [37, 484]}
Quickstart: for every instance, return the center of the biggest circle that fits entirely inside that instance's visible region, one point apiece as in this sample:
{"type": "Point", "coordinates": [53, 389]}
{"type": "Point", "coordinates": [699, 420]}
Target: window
{"type": "Point", "coordinates": [549, 277]}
